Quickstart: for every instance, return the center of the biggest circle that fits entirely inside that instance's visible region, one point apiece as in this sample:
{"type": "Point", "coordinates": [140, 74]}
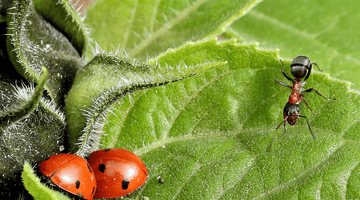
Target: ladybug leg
{"type": "Point", "coordinates": [283, 72]}
{"type": "Point", "coordinates": [307, 120]}
{"type": "Point", "coordinates": [312, 89]}
{"type": "Point", "coordinates": [302, 98]}
{"type": "Point", "coordinates": [283, 84]}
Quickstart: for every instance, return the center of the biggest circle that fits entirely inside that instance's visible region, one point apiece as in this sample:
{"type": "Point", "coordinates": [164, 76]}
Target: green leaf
{"type": "Point", "coordinates": [71, 25]}
{"type": "Point", "coordinates": [34, 132]}
{"type": "Point", "coordinates": [207, 136]}
{"type": "Point", "coordinates": [327, 32]}
{"type": "Point", "coordinates": [147, 28]}
{"type": "Point", "coordinates": [38, 190]}
{"type": "Point", "coordinates": [33, 42]}
{"type": "Point", "coordinates": [105, 80]}
{"type": "Point", "coordinates": [11, 115]}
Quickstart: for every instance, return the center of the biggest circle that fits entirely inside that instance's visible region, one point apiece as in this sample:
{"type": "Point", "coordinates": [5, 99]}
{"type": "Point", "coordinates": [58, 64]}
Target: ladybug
{"type": "Point", "coordinates": [71, 173]}
{"type": "Point", "coordinates": [118, 172]}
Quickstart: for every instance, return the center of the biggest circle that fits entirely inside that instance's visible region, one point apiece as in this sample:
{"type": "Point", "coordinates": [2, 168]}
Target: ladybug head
{"type": "Point", "coordinates": [300, 66]}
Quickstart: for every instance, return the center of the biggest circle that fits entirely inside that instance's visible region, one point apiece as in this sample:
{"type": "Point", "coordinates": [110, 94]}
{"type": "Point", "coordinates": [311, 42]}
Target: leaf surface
{"type": "Point", "coordinates": [147, 28]}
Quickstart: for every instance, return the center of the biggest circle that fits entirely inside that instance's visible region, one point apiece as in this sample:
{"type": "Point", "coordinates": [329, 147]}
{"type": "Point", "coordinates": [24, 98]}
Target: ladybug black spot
{"type": "Point", "coordinates": [107, 149]}
{"type": "Point", "coordinates": [77, 184]}
{"type": "Point", "coordinates": [125, 184]}
{"type": "Point", "coordinates": [102, 168]}
{"type": "Point", "coordinates": [89, 168]}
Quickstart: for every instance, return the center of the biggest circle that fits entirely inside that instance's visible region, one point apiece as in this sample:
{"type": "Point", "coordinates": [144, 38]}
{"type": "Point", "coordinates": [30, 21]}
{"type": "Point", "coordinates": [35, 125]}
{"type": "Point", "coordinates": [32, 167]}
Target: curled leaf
{"type": "Point", "coordinates": [32, 42]}
{"type": "Point", "coordinates": [16, 112]}
{"type": "Point", "coordinates": [106, 80]}
{"type": "Point", "coordinates": [36, 130]}
{"type": "Point", "coordinates": [71, 26]}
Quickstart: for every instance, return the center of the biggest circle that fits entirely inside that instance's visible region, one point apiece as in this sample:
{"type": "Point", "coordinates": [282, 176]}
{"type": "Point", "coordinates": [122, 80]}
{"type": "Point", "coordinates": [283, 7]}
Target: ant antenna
{"type": "Point", "coordinates": [317, 66]}
{"type": "Point", "coordinates": [282, 65]}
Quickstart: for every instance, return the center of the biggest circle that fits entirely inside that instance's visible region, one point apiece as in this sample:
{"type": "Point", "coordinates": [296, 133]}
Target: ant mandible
{"type": "Point", "coordinates": [300, 67]}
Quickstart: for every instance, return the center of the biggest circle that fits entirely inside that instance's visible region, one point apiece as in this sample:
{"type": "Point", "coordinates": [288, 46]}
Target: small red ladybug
{"type": "Point", "coordinates": [70, 172]}
{"type": "Point", "coordinates": [118, 172]}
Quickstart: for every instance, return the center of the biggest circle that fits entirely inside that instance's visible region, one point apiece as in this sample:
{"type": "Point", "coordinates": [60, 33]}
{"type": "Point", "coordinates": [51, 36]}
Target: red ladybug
{"type": "Point", "coordinates": [118, 172]}
{"type": "Point", "coordinates": [70, 172]}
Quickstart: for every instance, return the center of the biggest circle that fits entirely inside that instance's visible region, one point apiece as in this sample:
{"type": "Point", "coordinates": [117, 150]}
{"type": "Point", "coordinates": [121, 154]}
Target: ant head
{"type": "Point", "coordinates": [291, 113]}
{"type": "Point", "coordinates": [300, 66]}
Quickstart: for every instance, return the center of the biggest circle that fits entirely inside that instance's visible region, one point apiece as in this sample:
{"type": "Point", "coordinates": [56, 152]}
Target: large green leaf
{"type": "Point", "coordinates": [326, 31]}
{"type": "Point", "coordinates": [146, 28]}
{"type": "Point", "coordinates": [207, 136]}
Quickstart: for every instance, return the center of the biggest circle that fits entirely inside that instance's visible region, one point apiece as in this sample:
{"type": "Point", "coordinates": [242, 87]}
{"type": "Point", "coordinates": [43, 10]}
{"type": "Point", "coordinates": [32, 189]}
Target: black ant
{"type": "Point", "coordinates": [300, 67]}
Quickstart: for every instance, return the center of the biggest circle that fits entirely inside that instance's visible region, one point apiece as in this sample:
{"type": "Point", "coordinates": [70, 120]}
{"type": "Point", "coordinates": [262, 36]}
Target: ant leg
{"type": "Point", "coordinates": [283, 84]}
{"type": "Point", "coordinates": [302, 97]}
{"type": "Point", "coordinates": [273, 138]}
{"type": "Point", "coordinates": [308, 126]}
{"type": "Point", "coordinates": [312, 89]}
{"type": "Point", "coordinates": [283, 72]}
{"type": "Point", "coordinates": [284, 131]}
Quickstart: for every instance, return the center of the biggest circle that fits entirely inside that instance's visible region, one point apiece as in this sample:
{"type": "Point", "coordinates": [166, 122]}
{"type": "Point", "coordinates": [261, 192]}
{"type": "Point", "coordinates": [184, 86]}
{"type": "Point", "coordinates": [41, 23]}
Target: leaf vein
{"type": "Point", "coordinates": [166, 26]}
{"type": "Point", "coordinates": [129, 29]}
{"type": "Point", "coordinates": [191, 97]}
{"type": "Point", "coordinates": [153, 17]}
{"type": "Point", "coordinates": [132, 103]}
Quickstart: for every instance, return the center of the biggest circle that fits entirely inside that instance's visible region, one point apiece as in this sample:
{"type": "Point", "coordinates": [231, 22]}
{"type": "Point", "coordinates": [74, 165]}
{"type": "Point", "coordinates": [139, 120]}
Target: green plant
{"type": "Point", "coordinates": [198, 108]}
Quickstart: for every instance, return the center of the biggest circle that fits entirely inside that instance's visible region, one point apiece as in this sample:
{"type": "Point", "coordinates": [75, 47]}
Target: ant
{"type": "Point", "coordinates": [300, 67]}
